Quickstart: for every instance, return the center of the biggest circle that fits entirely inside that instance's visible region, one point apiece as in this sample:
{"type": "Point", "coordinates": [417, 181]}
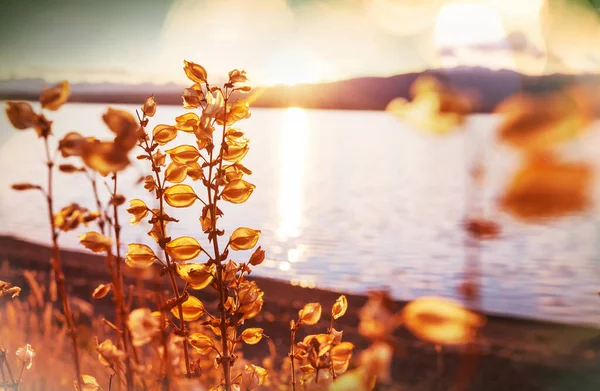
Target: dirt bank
{"type": "Point", "coordinates": [516, 354]}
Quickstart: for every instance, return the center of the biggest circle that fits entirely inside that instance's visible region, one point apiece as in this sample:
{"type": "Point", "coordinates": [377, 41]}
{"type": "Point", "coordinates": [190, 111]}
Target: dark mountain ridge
{"type": "Point", "coordinates": [487, 88]}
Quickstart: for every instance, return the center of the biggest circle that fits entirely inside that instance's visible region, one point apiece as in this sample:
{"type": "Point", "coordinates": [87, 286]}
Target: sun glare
{"type": "Point", "coordinates": [293, 146]}
{"type": "Point", "coordinates": [464, 24]}
{"type": "Point", "coordinates": [295, 66]}
{"type": "Point", "coordinates": [473, 34]}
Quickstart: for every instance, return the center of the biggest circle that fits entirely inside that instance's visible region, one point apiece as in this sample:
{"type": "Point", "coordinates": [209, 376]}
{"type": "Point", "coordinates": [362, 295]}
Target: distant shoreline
{"type": "Point", "coordinates": [486, 87]}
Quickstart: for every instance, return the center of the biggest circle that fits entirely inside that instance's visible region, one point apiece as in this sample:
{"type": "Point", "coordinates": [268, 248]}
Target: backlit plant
{"type": "Point", "coordinates": [171, 339]}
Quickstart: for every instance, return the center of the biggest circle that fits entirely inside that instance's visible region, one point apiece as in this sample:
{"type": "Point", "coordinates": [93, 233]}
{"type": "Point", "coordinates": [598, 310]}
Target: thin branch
{"type": "Point", "coordinates": [58, 271]}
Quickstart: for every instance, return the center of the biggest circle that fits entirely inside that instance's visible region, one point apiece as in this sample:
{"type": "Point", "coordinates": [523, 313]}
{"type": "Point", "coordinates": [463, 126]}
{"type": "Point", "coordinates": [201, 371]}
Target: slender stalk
{"type": "Point", "coordinates": [12, 378]}
{"type": "Point", "coordinates": [331, 369]}
{"type": "Point", "coordinates": [170, 270]}
{"type": "Point", "coordinates": [58, 271]}
{"type": "Point", "coordinates": [292, 353]}
{"type": "Point", "coordinates": [225, 355]}
{"type": "Point", "coordinates": [101, 221]}
{"type": "Point", "coordinates": [20, 374]}
{"type": "Point", "coordinates": [119, 294]}
{"type": "Point", "coordinates": [2, 360]}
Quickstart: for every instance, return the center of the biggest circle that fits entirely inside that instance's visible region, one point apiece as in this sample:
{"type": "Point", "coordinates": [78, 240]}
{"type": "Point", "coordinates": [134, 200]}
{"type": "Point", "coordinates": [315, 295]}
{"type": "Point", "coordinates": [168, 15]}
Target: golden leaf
{"type": "Point", "coordinates": [184, 154]}
{"type": "Point", "coordinates": [233, 134]}
{"type": "Point", "coordinates": [108, 353]}
{"type": "Point", "coordinates": [162, 134]}
{"type": "Point", "coordinates": [237, 191]}
{"type": "Point", "coordinates": [202, 343]}
{"type": "Point", "coordinates": [253, 376]}
{"type": "Point", "coordinates": [69, 217]}
{"type": "Point", "coordinates": [310, 314]}
{"type": "Point", "coordinates": [192, 309]}
{"type": "Point", "coordinates": [197, 275]}
{"type": "Point", "coordinates": [94, 241]}
{"type": "Point", "coordinates": [159, 158]}
{"type": "Point", "coordinates": [377, 321]}
{"type": "Point", "coordinates": [237, 76]}
{"type": "Point", "coordinates": [187, 122]}
{"type": "Point", "coordinates": [150, 183]}
{"type": "Point", "coordinates": [144, 326]}
{"type": "Point", "coordinates": [546, 188]}
{"type": "Point", "coordinates": [215, 104]}
{"type": "Point", "coordinates": [194, 72]}
{"type": "Point", "coordinates": [441, 321]}
{"type": "Point", "coordinates": [183, 248]}
{"type": "Point", "coordinates": [205, 219]}
{"type": "Point", "coordinates": [257, 257]}
{"type": "Point", "coordinates": [340, 356]}
{"type": "Point", "coordinates": [176, 172]}
{"type": "Point", "coordinates": [71, 144]}
{"type": "Point", "coordinates": [252, 336]}
{"type": "Point", "coordinates": [194, 171]}
{"type": "Point", "coordinates": [192, 97]}
{"type": "Point", "coordinates": [235, 153]}
{"type": "Point", "coordinates": [534, 122]}
{"type": "Point", "coordinates": [138, 209]}
{"type": "Point", "coordinates": [139, 256]}
{"type": "Point", "coordinates": [243, 238]}
{"type": "Point", "coordinates": [250, 299]}
{"type": "Point", "coordinates": [69, 168]}
{"type": "Point", "coordinates": [204, 132]}
{"type": "Point", "coordinates": [237, 111]}
{"type": "Point", "coordinates": [149, 108]}
{"type": "Point", "coordinates": [356, 380]}
{"type": "Point", "coordinates": [101, 291]}
{"type": "Point", "coordinates": [104, 157]}
{"type": "Point", "coordinates": [435, 107]}
{"type": "Point", "coordinates": [339, 307]}
{"type": "Point", "coordinates": [54, 97]}
{"type": "Point", "coordinates": [482, 229]}
{"type": "Point", "coordinates": [21, 115]}
{"type": "Point", "coordinates": [25, 186]}
{"type": "Point", "coordinates": [377, 360]}
{"type": "Point", "coordinates": [156, 232]}
{"type": "Point", "coordinates": [89, 383]}
{"type": "Point", "coordinates": [26, 354]}
{"type": "Point", "coordinates": [43, 128]}
{"type": "Point", "coordinates": [120, 121]}
{"type": "Point", "coordinates": [180, 196]}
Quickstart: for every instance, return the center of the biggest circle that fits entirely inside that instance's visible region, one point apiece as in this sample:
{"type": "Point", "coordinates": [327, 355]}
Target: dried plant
{"type": "Point", "coordinates": [171, 339]}
{"type": "Point", "coordinates": [22, 116]}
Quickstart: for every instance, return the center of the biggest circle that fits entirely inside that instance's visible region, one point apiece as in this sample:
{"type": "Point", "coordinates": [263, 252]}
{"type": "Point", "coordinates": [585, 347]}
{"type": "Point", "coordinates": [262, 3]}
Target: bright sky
{"type": "Point", "coordinates": [293, 41]}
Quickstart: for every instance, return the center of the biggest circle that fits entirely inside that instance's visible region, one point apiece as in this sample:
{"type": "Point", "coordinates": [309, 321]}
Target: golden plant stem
{"type": "Point", "coordinates": [2, 363]}
{"type": "Point", "coordinates": [171, 272]}
{"type": "Point", "coordinates": [4, 383]}
{"type": "Point", "coordinates": [101, 221]}
{"type": "Point", "coordinates": [331, 369]}
{"type": "Point", "coordinates": [166, 382]}
{"type": "Point", "coordinates": [119, 292]}
{"type": "Point", "coordinates": [225, 355]}
{"type": "Point", "coordinates": [292, 343]}
{"type": "Point", "coordinates": [58, 270]}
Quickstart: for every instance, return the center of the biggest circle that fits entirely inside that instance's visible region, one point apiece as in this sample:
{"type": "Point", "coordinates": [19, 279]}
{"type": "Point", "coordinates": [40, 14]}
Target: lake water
{"type": "Point", "coordinates": [352, 201]}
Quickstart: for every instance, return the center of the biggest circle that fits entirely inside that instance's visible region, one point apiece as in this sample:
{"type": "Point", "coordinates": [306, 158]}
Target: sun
{"type": "Point", "coordinates": [465, 24]}
{"type": "Point", "coordinates": [296, 65]}
{"type": "Point", "coordinates": [472, 34]}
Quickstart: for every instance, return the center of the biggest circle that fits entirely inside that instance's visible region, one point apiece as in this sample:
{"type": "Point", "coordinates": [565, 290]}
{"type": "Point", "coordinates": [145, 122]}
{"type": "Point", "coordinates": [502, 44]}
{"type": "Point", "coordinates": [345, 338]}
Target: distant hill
{"type": "Point", "coordinates": [487, 87]}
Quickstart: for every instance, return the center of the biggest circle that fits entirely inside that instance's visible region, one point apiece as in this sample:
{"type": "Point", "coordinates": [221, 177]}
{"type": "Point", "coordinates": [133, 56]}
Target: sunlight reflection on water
{"type": "Point", "coordinates": [351, 201]}
{"type": "Point", "coordinates": [292, 147]}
